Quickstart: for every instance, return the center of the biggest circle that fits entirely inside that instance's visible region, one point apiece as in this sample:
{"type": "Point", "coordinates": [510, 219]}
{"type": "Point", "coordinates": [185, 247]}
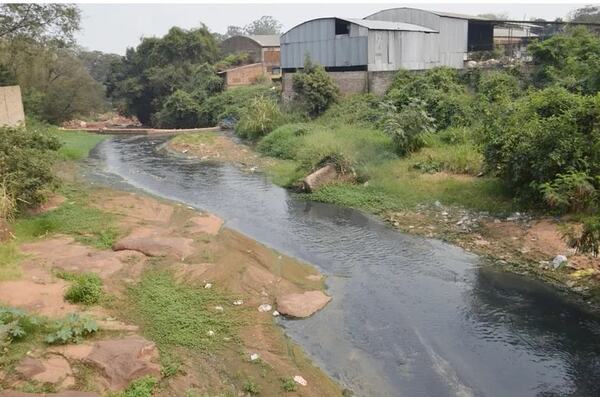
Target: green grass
{"type": "Point", "coordinates": [442, 171]}
{"type": "Point", "coordinates": [9, 261]}
{"type": "Point", "coordinates": [142, 387]}
{"type": "Point", "coordinates": [86, 288]}
{"type": "Point", "coordinates": [181, 315]}
{"type": "Point", "coordinates": [77, 144]}
{"type": "Point", "coordinates": [87, 225]}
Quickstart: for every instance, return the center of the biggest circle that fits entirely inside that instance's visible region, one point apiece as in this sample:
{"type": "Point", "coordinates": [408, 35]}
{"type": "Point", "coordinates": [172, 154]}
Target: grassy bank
{"type": "Point", "coordinates": [381, 181]}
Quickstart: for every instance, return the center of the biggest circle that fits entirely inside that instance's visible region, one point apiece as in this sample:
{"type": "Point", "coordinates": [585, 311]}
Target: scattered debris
{"type": "Point", "coordinates": [254, 357]}
{"type": "Point", "coordinates": [238, 302]}
{"type": "Point", "coordinates": [265, 307]}
{"type": "Point", "coordinates": [275, 313]}
{"type": "Point", "coordinates": [207, 286]}
{"type": "Point", "coordinates": [558, 261]}
{"type": "Point", "coordinates": [300, 380]}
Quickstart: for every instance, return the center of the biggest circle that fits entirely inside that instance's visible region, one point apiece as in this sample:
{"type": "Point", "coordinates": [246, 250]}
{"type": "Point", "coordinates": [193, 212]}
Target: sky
{"type": "Point", "coordinates": [114, 27]}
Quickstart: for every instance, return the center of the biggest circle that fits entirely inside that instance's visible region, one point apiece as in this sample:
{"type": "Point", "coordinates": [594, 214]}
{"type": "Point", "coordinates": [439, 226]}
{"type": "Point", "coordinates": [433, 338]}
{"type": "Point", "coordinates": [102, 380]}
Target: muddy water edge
{"type": "Point", "coordinates": [410, 316]}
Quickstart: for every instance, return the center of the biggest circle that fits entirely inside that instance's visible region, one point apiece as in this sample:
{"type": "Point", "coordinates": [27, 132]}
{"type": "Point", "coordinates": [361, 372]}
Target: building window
{"type": "Point", "coordinates": [342, 27]}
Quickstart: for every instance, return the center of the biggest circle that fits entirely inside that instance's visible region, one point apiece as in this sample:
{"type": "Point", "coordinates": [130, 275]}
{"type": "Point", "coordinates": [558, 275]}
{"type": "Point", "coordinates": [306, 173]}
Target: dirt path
{"type": "Point", "coordinates": [237, 276]}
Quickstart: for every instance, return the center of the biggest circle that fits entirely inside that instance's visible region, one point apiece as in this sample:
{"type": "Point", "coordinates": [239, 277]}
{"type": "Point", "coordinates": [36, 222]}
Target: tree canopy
{"type": "Point", "coordinates": [39, 22]}
{"type": "Point", "coordinates": [143, 80]}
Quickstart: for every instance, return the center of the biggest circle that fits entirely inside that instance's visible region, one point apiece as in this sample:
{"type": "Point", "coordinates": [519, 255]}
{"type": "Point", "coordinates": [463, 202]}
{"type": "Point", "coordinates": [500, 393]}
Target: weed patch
{"type": "Point", "coordinates": [9, 261]}
{"type": "Point", "coordinates": [86, 288]}
{"type": "Point", "coordinates": [76, 145]}
{"type": "Point", "coordinates": [174, 314]}
{"type": "Point", "coordinates": [142, 387]}
{"type": "Point", "coordinates": [87, 225]}
{"type": "Point", "coordinates": [71, 329]}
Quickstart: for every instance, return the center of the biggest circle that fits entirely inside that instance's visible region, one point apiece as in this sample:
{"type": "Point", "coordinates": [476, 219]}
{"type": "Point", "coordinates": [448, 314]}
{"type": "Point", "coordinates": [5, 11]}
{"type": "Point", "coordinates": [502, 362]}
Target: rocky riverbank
{"type": "Point", "coordinates": [520, 243]}
{"type": "Point", "coordinates": [187, 305]}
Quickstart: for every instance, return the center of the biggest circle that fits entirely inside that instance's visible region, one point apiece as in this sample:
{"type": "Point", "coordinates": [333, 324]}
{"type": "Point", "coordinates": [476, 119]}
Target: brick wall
{"type": "Point", "coordinates": [379, 82]}
{"type": "Point", "coordinates": [348, 83]}
{"type": "Point", "coordinates": [11, 106]}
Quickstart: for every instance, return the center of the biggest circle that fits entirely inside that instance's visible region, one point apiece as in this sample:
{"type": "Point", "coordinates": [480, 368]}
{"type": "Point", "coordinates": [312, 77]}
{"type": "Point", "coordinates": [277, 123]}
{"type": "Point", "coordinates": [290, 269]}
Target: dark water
{"type": "Point", "coordinates": [409, 316]}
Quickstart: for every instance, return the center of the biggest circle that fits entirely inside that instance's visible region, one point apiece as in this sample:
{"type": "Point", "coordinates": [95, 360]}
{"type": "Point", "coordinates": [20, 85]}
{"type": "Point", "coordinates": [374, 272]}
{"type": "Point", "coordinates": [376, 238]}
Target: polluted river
{"type": "Point", "coordinates": [410, 316]}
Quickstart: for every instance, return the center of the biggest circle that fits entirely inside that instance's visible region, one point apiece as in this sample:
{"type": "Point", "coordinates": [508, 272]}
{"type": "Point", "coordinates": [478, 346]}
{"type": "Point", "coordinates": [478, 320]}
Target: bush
{"type": "Point", "coordinates": [142, 387]}
{"type": "Point", "coordinates": [571, 59]}
{"type": "Point", "coordinates": [314, 88]}
{"type": "Point", "coordinates": [86, 288]}
{"type": "Point", "coordinates": [229, 105]}
{"type": "Point", "coordinates": [259, 118]}
{"type": "Point", "coordinates": [285, 141]}
{"type": "Point", "coordinates": [26, 158]}
{"type": "Point", "coordinates": [573, 191]}
{"type": "Point", "coordinates": [71, 329]}
{"type": "Point", "coordinates": [361, 109]}
{"type": "Point", "coordinates": [494, 86]}
{"type": "Point", "coordinates": [180, 110]}
{"type": "Point", "coordinates": [588, 241]}
{"type": "Point", "coordinates": [445, 98]}
{"type": "Point", "coordinates": [407, 126]}
{"type": "Point", "coordinates": [531, 141]}
{"type": "Point", "coordinates": [15, 325]}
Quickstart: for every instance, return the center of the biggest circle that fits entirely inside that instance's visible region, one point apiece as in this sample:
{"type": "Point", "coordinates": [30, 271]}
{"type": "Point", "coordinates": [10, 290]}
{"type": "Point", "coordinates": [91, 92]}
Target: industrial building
{"type": "Point", "coordinates": [363, 54]}
{"type": "Point", "coordinates": [263, 59]}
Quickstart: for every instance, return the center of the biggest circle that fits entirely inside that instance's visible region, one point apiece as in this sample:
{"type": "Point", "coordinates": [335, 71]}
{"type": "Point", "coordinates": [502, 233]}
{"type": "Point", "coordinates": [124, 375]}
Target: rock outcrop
{"type": "Point", "coordinates": [155, 242]}
{"type": "Point", "coordinates": [302, 305]}
{"type": "Point", "coordinates": [320, 177]}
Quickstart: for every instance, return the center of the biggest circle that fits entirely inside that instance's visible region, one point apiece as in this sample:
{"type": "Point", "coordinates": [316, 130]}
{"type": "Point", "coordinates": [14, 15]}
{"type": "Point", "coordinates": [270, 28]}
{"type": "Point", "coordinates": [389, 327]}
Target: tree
{"type": "Point", "coordinates": [97, 63]}
{"type": "Point", "coordinates": [264, 25]}
{"type": "Point", "coordinates": [147, 75]}
{"type": "Point", "coordinates": [588, 13]}
{"type": "Point", "coordinates": [314, 88]}
{"type": "Point", "coordinates": [39, 22]}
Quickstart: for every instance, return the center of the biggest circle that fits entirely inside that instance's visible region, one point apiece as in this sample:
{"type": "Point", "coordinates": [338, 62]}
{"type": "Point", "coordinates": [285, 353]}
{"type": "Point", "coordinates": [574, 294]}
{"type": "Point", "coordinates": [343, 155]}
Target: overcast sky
{"type": "Point", "coordinates": [114, 27]}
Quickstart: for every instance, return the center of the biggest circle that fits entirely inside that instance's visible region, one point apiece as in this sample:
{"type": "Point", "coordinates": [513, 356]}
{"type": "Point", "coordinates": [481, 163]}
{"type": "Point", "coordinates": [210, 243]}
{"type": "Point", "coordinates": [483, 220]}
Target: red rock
{"type": "Point", "coordinates": [302, 305]}
{"type": "Point", "coordinates": [53, 369]}
{"type": "Point", "coordinates": [124, 360]}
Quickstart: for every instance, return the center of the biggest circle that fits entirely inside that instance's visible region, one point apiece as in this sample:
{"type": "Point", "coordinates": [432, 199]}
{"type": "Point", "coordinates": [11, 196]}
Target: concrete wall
{"type": "Point", "coordinates": [379, 82]}
{"type": "Point", "coordinates": [348, 82]}
{"type": "Point", "coordinates": [11, 106]}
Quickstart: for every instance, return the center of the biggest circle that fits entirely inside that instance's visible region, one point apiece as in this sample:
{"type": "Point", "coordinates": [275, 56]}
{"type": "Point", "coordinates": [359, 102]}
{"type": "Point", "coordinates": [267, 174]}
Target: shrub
{"type": "Point", "coordinates": [573, 191]}
{"type": "Point", "coordinates": [15, 325]}
{"type": "Point", "coordinates": [285, 141]}
{"type": "Point", "coordinates": [314, 88]}
{"type": "Point", "coordinates": [86, 288]}
{"type": "Point", "coordinates": [494, 86]}
{"type": "Point", "coordinates": [407, 126]}
{"type": "Point", "coordinates": [571, 59]}
{"type": "Point", "coordinates": [71, 329]}
{"type": "Point", "coordinates": [588, 241]}
{"type": "Point", "coordinates": [7, 205]}
{"type": "Point", "coordinates": [180, 110]}
{"type": "Point", "coordinates": [259, 118]}
{"type": "Point", "coordinates": [288, 384]}
{"type": "Point", "coordinates": [26, 158]}
{"type": "Point", "coordinates": [529, 142]}
{"type": "Point", "coordinates": [142, 387]}
{"type": "Point", "coordinates": [231, 103]}
{"type": "Point", "coordinates": [251, 387]}
{"type": "Point", "coordinates": [445, 98]}
{"type": "Point", "coordinates": [361, 109]}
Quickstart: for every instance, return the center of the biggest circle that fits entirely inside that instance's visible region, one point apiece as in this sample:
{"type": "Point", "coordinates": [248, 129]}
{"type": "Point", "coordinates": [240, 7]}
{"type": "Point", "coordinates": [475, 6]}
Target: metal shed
{"type": "Point", "coordinates": [260, 48]}
{"type": "Point", "coordinates": [348, 44]}
{"type": "Point", "coordinates": [458, 33]}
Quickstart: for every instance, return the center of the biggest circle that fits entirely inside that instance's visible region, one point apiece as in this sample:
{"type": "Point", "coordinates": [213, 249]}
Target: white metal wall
{"type": "Point", "coordinates": [393, 50]}
{"type": "Point", "coordinates": [317, 38]}
{"type": "Point", "coordinates": [453, 32]}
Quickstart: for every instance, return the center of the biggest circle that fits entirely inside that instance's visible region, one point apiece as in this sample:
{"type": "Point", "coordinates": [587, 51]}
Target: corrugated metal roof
{"type": "Point", "coordinates": [517, 33]}
{"type": "Point", "coordinates": [266, 40]}
{"type": "Point", "coordinates": [385, 25]}
{"type": "Point", "coordinates": [438, 13]}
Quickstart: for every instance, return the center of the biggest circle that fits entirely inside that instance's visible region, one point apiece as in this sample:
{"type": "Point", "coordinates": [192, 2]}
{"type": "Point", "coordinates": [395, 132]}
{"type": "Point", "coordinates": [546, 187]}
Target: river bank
{"type": "Point", "coordinates": [185, 303]}
{"type": "Point", "coordinates": [519, 242]}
